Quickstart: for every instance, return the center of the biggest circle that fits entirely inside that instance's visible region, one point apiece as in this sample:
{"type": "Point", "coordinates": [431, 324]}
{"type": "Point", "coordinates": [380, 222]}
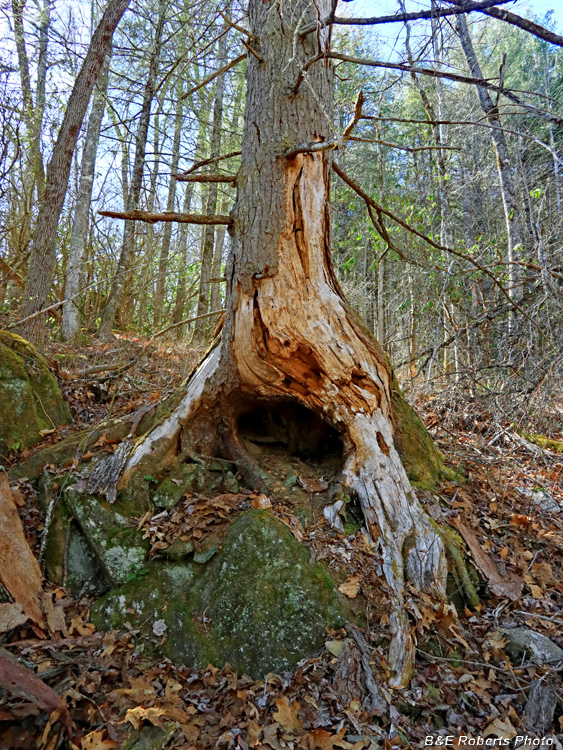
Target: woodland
{"type": "Point", "coordinates": [281, 369]}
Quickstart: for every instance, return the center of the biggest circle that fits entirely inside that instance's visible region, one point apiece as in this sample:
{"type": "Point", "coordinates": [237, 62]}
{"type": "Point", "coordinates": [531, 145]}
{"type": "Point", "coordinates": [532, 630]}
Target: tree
{"type": "Point", "coordinates": [289, 335]}
{"type": "Point", "coordinates": [43, 247]}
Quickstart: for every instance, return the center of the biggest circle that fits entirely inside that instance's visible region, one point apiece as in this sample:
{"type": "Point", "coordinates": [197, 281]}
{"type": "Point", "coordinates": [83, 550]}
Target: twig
{"type": "Point", "coordinates": [235, 25]}
{"type": "Point", "coordinates": [252, 51]}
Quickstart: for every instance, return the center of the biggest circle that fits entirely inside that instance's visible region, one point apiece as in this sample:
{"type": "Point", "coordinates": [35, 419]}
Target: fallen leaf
{"type": "Point", "coordinates": [11, 615]}
{"type": "Point", "coordinates": [320, 739]}
{"type": "Point", "coordinates": [95, 741]}
{"type": "Point", "coordinates": [262, 502]}
{"type": "Point", "coordinates": [286, 715]}
{"type": "Point", "coordinates": [350, 587]}
{"type": "Point", "coordinates": [19, 570]}
{"type": "Point", "coordinates": [503, 729]}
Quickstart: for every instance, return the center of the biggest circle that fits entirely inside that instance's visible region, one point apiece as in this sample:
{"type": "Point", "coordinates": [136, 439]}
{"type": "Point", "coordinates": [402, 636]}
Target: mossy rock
{"type": "Point", "coordinates": [423, 462]}
{"type": "Point", "coordinates": [258, 604]}
{"type": "Point", "coordinates": [117, 543]}
{"type": "Point", "coordinates": [30, 399]}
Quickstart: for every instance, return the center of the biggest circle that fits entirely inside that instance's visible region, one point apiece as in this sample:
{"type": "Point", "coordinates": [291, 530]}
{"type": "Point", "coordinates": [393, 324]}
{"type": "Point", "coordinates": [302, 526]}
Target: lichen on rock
{"type": "Point", "coordinates": [258, 604]}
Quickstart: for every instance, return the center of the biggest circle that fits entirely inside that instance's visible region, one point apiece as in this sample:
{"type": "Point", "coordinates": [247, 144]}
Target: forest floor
{"type": "Point", "coordinates": [467, 682]}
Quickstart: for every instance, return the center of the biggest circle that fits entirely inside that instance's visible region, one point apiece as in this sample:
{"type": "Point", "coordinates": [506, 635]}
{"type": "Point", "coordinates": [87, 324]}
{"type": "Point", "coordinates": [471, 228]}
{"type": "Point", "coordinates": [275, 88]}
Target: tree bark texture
{"type": "Point", "coordinates": [79, 235]}
{"type": "Point", "coordinates": [288, 332]}
{"type": "Point", "coordinates": [128, 244]}
{"type": "Point", "coordinates": [43, 247]}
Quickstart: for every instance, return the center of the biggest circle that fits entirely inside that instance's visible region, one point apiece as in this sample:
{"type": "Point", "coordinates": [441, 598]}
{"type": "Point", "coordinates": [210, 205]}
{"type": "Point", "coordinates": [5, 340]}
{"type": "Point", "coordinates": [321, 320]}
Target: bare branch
{"type": "Point", "coordinates": [252, 51]}
{"type": "Point", "coordinates": [411, 149]}
{"type": "Point", "coordinates": [212, 160]}
{"type": "Point", "coordinates": [235, 25]}
{"type": "Point", "coordinates": [370, 201]}
{"type": "Point", "coordinates": [152, 218]}
{"type": "Point", "coordinates": [229, 178]}
{"type": "Point", "coordinates": [407, 68]}
{"type": "Point", "coordinates": [311, 148]}
{"type": "Point", "coordinates": [402, 17]}
{"type": "Point", "coordinates": [212, 77]}
{"type": "Point", "coordinates": [522, 23]}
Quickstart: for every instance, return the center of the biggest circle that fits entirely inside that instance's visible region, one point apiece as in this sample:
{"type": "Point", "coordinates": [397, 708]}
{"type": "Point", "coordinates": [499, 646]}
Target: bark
{"type": "Point", "coordinates": [202, 327]}
{"type": "Point", "coordinates": [43, 247]}
{"type": "Point", "coordinates": [508, 190]}
{"type": "Point", "coordinates": [79, 236]}
{"type": "Point", "coordinates": [128, 244]}
{"type": "Point", "coordinates": [288, 332]}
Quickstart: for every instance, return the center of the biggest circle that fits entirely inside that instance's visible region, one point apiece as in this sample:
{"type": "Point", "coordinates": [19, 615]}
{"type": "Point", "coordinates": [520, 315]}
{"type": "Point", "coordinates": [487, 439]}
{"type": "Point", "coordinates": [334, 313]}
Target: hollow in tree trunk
{"type": "Point", "coordinates": [288, 334]}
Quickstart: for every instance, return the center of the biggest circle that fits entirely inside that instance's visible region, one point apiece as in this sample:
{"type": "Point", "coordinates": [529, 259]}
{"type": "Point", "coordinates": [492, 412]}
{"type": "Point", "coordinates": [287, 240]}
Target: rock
{"type": "Point", "coordinates": [258, 604]}
{"type": "Point", "coordinates": [523, 642]}
{"type": "Point", "coordinates": [116, 541]}
{"type": "Point", "coordinates": [542, 500]}
{"type": "Point", "coordinates": [182, 478]}
{"type": "Point", "coordinates": [540, 707]}
{"type": "Point", "coordinates": [30, 399]}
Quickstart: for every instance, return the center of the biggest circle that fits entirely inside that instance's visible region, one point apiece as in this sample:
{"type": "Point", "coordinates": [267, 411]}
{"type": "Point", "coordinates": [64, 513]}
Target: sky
{"type": "Point", "coordinates": [384, 7]}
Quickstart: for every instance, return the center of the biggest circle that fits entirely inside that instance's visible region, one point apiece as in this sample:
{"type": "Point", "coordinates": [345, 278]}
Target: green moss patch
{"type": "Point", "coordinates": [30, 399]}
{"type": "Point", "coordinates": [258, 604]}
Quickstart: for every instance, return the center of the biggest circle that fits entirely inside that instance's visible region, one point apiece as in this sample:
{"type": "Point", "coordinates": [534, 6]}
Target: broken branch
{"type": "Point", "coordinates": [152, 218]}
{"type": "Point", "coordinates": [212, 77]}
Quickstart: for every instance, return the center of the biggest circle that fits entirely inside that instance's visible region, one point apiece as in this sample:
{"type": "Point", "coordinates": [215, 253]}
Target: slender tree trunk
{"type": "Point", "coordinates": [203, 326]}
{"type": "Point", "coordinates": [128, 243]}
{"type": "Point", "coordinates": [508, 190]}
{"type": "Point", "coordinates": [170, 204]}
{"type": "Point", "coordinates": [288, 333]}
{"type": "Point", "coordinates": [43, 248]}
{"type": "Point", "coordinates": [218, 261]}
{"type": "Point", "coordinates": [79, 236]}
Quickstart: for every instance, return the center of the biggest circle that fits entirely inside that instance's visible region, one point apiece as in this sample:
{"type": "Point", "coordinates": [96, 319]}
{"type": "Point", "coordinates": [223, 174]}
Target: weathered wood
{"type": "Point", "coordinates": [152, 218]}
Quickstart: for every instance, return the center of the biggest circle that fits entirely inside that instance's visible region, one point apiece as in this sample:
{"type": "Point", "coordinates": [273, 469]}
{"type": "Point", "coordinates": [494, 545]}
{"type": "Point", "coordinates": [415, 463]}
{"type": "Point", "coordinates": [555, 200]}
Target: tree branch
{"type": "Point", "coordinates": [212, 77]}
{"type": "Point", "coordinates": [407, 68]}
{"type": "Point", "coordinates": [334, 143]}
{"type": "Point", "coordinates": [522, 23]}
{"type": "Point", "coordinates": [402, 17]}
{"type": "Point", "coordinates": [213, 160]}
{"type": "Point", "coordinates": [370, 201]}
{"type": "Point", "coordinates": [151, 218]}
{"type": "Point", "coordinates": [412, 149]}
{"type": "Point", "coordinates": [230, 178]}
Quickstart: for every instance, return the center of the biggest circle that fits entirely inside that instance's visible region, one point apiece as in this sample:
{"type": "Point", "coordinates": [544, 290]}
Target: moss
{"type": "Point", "coordinates": [258, 604]}
{"type": "Point", "coordinates": [30, 399]}
{"type": "Point", "coordinates": [542, 441]}
{"type": "Point", "coordinates": [423, 462]}
{"type": "Point", "coordinates": [117, 542]}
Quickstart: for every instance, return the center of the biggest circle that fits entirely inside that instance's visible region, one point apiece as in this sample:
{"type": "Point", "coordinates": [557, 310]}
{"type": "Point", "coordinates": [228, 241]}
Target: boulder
{"type": "Point", "coordinates": [257, 604]}
{"type": "Point", "coordinates": [115, 539]}
{"type": "Point", "coordinates": [30, 399]}
{"type": "Point", "coordinates": [523, 642]}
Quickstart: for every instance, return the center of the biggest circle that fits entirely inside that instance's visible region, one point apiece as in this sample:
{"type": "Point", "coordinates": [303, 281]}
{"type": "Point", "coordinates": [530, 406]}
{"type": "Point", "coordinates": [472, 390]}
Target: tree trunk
{"type": "Point", "coordinates": [43, 247]}
{"type": "Point", "coordinates": [170, 204]}
{"type": "Point", "coordinates": [508, 190]}
{"type": "Point", "coordinates": [289, 335]}
{"type": "Point", "coordinates": [203, 326]}
{"type": "Point", "coordinates": [79, 236]}
{"type": "Point", "coordinates": [128, 244]}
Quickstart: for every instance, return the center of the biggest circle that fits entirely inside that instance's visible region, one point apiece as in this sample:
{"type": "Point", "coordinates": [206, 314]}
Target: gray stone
{"type": "Point", "coordinates": [258, 604]}
{"type": "Point", "coordinates": [117, 543]}
{"type": "Point", "coordinates": [523, 642]}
